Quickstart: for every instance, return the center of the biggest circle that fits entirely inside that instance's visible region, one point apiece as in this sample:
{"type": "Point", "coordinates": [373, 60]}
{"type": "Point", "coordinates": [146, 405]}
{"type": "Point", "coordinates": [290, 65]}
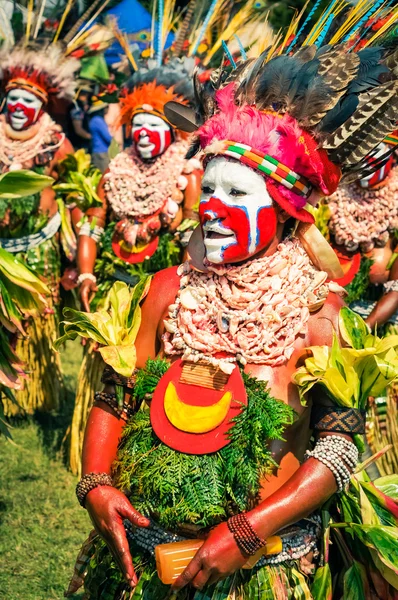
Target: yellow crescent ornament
{"type": "Point", "coordinates": [194, 419]}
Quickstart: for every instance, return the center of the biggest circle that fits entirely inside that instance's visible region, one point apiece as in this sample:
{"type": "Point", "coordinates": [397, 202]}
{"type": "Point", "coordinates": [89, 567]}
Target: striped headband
{"type": "Point", "coordinates": [391, 139]}
{"type": "Point", "coordinates": [269, 165]}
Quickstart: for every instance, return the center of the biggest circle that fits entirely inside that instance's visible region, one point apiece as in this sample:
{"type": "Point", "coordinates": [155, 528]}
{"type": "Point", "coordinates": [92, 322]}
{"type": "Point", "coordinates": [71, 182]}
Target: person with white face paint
{"type": "Point", "coordinates": [363, 224]}
{"type": "Point", "coordinates": [23, 108]}
{"type": "Point", "coordinates": [29, 227]}
{"type": "Point", "coordinates": [148, 191]}
{"type": "Point", "coordinates": [245, 461]}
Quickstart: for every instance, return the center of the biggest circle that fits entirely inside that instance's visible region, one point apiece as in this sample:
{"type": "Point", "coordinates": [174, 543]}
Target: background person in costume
{"type": "Point", "coordinates": [250, 297]}
{"type": "Point", "coordinates": [38, 74]}
{"type": "Point", "coordinates": [29, 226]}
{"type": "Point", "coordinates": [100, 135]}
{"type": "Point", "coordinates": [363, 224]}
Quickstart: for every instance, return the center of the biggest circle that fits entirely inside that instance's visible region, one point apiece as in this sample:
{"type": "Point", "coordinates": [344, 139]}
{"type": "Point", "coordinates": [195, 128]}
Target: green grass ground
{"type": "Point", "coordinates": [41, 524]}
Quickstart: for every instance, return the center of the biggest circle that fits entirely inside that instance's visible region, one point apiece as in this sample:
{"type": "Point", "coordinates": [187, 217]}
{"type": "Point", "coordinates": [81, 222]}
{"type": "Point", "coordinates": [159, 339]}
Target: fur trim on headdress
{"type": "Point", "coordinates": [44, 68]}
{"type": "Point", "coordinates": [148, 97]}
{"type": "Point", "coordinates": [154, 86]}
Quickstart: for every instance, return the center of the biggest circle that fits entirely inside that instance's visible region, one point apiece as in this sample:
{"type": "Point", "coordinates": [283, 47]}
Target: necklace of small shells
{"type": "Point", "coordinates": [136, 188]}
{"type": "Point", "coordinates": [364, 217]}
{"type": "Point", "coordinates": [18, 152]}
{"type": "Point", "coordinates": [253, 312]}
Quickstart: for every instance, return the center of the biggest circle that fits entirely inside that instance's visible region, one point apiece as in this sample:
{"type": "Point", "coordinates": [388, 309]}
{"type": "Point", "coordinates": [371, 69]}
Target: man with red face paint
{"type": "Point", "coordinates": [148, 191]}
{"type": "Point", "coordinates": [217, 444]}
{"type": "Point", "coordinates": [30, 227]}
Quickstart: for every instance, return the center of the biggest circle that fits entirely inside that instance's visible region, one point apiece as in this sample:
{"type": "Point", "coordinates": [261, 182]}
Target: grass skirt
{"type": "Point", "coordinates": [44, 389]}
{"type": "Point", "coordinates": [89, 382]}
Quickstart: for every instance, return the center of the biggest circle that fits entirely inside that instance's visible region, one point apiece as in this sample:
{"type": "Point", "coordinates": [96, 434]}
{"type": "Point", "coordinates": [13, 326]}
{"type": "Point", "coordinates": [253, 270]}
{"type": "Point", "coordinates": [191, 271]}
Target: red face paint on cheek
{"type": "Point", "coordinates": [157, 141]}
{"type": "Point", "coordinates": [246, 234]}
{"type": "Point", "coordinates": [29, 112]}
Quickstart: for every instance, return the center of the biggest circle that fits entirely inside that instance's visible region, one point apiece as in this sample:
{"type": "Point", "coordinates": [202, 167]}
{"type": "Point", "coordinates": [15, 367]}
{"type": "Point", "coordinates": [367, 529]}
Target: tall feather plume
{"type": "Point", "coordinates": [377, 102]}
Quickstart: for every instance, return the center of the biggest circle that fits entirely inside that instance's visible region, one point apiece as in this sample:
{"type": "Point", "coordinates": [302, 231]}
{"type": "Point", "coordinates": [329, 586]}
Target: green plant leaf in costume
{"type": "Point", "coordinates": [115, 326]}
{"type": "Point", "coordinates": [356, 584]}
{"type": "Point", "coordinates": [388, 485]}
{"type": "Point", "coordinates": [17, 184]}
{"type": "Point", "coordinates": [321, 588]}
{"type": "Point", "coordinates": [353, 329]}
{"type": "Point", "coordinates": [383, 542]}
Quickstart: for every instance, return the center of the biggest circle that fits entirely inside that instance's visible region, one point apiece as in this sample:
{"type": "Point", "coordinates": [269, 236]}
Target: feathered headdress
{"type": "Point", "coordinates": [302, 117]}
{"type": "Point", "coordinates": [149, 89]}
{"type": "Point", "coordinates": [41, 63]}
{"type": "Point", "coordinates": [45, 71]}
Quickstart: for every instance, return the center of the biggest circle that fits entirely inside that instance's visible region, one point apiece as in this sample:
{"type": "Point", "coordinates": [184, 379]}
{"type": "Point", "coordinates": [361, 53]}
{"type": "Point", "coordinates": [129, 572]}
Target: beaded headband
{"type": "Point", "coordinates": [152, 111]}
{"type": "Point", "coordinates": [269, 165]}
{"type": "Point", "coordinates": [391, 139]}
{"type": "Point", "coordinates": [29, 87]}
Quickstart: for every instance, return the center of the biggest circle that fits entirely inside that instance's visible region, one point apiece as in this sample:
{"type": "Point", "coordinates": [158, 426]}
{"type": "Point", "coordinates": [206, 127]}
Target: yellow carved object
{"type": "Point", "coordinates": [194, 419]}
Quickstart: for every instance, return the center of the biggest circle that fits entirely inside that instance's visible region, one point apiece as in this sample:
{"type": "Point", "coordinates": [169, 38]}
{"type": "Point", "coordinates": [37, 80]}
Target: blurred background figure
{"type": "Point", "coordinates": [80, 136]}
{"type": "Point", "coordinates": [100, 135]}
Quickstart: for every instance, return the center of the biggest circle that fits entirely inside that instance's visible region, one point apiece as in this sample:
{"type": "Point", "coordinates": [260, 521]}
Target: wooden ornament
{"type": "Point", "coordinates": [205, 414]}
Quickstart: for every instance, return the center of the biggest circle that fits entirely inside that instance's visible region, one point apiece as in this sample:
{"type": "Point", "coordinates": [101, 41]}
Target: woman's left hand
{"type": "Point", "coordinates": [218, 558]}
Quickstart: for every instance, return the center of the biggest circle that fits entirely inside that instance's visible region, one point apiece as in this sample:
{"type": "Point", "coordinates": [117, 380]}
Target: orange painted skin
{"type": "Point", "coordinates": [289, 495]}
{"type": "Point", "coordinates": [87, 247]}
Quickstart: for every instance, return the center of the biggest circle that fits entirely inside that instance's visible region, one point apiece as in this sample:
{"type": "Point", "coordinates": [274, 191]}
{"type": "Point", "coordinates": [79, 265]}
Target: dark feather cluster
{"type": "Point", "coordinates": [347, 100]}
{"type": "Point", "coordinates": [176, 73]}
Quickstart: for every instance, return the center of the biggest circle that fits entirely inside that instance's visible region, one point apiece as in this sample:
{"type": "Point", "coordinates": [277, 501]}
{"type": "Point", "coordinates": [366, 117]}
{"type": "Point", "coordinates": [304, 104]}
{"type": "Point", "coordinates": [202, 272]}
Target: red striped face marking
{"type": "Point", "coordinates": [236, 212]}
{"type": "Point", "coordinates": [151, 135]}
{"type": "Point", "coordinates": [23, 109]}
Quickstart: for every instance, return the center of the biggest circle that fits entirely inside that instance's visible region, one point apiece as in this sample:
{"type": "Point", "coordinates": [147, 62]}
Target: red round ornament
{"type": "Point", "coordinates": [194, 396]}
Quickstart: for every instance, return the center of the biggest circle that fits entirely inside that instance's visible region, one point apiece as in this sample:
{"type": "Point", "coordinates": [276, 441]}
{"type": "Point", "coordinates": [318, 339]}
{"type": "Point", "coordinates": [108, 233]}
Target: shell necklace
{"type": "Point", "coordinates": [252, 312]}
{"type": "Point", "coordinates": [14, 153]}
{"type": "Point", "coordinates": [135, 188]}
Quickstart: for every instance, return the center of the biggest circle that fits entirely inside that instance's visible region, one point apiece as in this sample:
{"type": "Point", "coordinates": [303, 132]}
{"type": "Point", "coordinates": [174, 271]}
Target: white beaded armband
{"type": "Point", "coordinates": [84, 276]}
{"type": "Point", "coordinates": [391, 286]}
{"type": "Point", "coordinates": [92, 232]}
{"type": "Point", "coordinates": [339, 455]}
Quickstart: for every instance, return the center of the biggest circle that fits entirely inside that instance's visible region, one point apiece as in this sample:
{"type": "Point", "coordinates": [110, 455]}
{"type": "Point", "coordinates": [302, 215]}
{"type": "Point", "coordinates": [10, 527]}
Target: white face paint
{"type": "Point", "coordinates": [236, 211]}
{"type": "Point", "coordinates": [151, 135]}
{"type": "Point", "coordinates": [23, 108]}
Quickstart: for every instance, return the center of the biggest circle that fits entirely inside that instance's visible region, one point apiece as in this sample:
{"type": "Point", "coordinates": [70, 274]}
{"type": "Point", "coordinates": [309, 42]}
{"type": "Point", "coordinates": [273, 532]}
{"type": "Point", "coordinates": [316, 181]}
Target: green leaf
{"type": "Point", "coordinates": [353, 328]}
{"type": "Point", "coordinates": [114, 149]}
{"type": "Point", "coordinates": [17, 184]}
{"type": "Point", "coordinates": [356, 585]}
{"type": "Point", "coordinates": [388, 485]}
{"type": "Point", "coordinates": [382, 539]}
{"type": "Point", "coordinates": [321, 588]}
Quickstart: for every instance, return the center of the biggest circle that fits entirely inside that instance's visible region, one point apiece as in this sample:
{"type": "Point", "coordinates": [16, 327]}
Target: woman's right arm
{"type": "Point", "coordinates": [87, 250]}
{"type": "Point", "coordinates": [106, 505]}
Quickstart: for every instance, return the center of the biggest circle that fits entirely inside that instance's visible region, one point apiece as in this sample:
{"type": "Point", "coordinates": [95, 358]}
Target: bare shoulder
{"type": "Point", "coordinates": [162, 293]}
{"type": "Point", "coordinates": [325, 321]}
{"type": "Point", "coordinates": [163, 290]}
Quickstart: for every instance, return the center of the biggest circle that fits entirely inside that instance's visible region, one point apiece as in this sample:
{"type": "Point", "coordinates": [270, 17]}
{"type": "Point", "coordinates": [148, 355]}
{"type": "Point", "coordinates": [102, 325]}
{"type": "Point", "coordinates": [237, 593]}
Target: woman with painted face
{"type": "Point", "coordinates": [149, 192]}
{"type": "Point", "coordinates": [217, 445]}
{"type": "Point", "coordinates": [30, 227]}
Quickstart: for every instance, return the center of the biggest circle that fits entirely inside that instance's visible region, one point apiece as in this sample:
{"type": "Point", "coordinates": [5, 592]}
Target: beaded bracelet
{"type": "Point", "coordinates": [84, 276]}
{"type": "Point", "coordinates": [94, 233]}
{"type": "Point", "coordinates": [245, 537]}
{"type": "Point", "coordinates": [391, 286]}
{"type": "Point", "coordinates": [125, 412]}
{"type": "Point", "coordinates": [89, 482]}
{"type": "Point", "coordinates": [339, 455]}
